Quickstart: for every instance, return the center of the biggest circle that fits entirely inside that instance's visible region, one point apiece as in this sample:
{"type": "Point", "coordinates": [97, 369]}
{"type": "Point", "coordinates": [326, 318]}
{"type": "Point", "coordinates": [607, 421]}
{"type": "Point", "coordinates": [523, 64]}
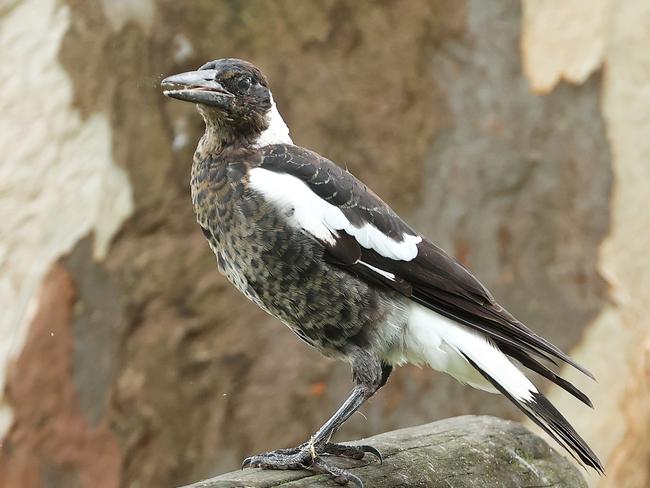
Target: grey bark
{"type": "Point", "coordinates": [460, 452]}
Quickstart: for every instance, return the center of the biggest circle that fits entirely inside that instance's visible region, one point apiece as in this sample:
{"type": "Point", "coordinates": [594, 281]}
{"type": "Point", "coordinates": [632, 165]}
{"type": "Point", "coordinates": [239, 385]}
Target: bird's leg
{"type": "Point", "coordinates": [308, 455]}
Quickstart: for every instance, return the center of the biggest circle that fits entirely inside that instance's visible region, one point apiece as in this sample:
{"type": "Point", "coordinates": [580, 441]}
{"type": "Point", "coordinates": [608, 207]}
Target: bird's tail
{"type": "Point", "coordinates": [537, 408]}
{"type": "Point", "coordinates": [474, 359]}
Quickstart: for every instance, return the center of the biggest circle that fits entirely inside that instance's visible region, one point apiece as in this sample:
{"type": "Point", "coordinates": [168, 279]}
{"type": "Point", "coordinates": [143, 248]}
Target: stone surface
{"type": "Point", "coordinates": [463, 452]}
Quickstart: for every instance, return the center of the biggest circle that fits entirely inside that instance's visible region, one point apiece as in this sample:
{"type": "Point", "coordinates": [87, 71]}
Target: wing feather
{"type": "Point", "coordinates": [368, 239]}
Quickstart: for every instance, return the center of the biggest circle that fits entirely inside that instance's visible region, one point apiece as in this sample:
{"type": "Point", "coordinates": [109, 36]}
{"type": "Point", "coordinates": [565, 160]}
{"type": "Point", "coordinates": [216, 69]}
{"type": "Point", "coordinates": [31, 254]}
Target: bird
{"type": "Point", "coordinates": [314, 247]}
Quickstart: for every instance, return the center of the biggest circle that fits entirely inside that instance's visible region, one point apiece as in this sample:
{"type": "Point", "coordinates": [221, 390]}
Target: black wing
{"type": "Point", "coordinates": [336, 186]}
{"type": "Point", "coordinates": [432, 278]}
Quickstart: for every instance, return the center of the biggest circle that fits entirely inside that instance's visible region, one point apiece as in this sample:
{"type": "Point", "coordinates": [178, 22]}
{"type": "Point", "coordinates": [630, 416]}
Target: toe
{"type": "Point", "coordinates": [339, 475]}
{"type": "Point", "coordinates": [353, 452]}
{"type": "Point", "coordinates": [278, 460]}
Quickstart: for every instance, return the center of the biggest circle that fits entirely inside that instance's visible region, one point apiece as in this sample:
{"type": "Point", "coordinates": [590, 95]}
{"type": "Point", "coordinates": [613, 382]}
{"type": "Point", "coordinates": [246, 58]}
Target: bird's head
{"type": "Point", "coordinates": [231, 94]}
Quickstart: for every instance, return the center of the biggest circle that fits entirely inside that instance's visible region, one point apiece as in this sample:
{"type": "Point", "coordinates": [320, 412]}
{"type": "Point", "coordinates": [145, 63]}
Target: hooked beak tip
{"type": "Point", "coordinates": [197, 87]}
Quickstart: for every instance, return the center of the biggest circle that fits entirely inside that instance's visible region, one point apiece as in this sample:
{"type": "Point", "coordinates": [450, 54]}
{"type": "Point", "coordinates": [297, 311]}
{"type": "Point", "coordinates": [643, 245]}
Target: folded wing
{"type": "Point", "coordinates": [363, 235]}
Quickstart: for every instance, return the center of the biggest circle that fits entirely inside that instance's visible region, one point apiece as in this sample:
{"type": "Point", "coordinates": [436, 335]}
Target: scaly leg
{"type": "Point", "coordinates": [308, 455]}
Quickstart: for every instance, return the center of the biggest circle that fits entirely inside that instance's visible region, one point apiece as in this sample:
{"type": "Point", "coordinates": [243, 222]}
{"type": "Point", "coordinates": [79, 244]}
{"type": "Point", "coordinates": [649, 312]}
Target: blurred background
{"type": "Point", "coordinates": [514, 134]}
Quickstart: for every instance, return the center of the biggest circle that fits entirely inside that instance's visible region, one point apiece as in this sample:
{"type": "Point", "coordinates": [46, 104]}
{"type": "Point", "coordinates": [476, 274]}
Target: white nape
{"type": "Point", "coordinates": [432, 339]}
{"type": "Point", "coordinates": [277, 132]}
{"type": "Point", "coordinates": [321, 219]}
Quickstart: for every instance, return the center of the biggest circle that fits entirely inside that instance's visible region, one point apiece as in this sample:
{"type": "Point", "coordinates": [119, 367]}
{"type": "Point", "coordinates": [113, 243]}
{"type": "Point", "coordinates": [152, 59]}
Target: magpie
{"type": "Point", "coordinates": [314, 247]}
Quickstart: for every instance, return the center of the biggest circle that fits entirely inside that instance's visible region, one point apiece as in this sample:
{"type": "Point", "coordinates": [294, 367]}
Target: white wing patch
{"type": "Point", "coordinates": [320, 218]}
{"type": "Point", "coordinates": [291, 196]}
{"type": "Point", "coordinates": [385, 274]}
{"type": "Point", "coordinates": [371, 237]}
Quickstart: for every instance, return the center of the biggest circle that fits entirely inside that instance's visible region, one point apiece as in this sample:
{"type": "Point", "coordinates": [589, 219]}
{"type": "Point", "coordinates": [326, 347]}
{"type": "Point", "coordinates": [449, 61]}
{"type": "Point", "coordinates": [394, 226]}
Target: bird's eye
{"type": "Point", "coordinates": [244, 84]}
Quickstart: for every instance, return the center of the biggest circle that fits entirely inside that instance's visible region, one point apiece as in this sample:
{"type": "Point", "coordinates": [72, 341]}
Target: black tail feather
{"type": "Point", "coordinates": [545, 415]}
{"type": "Point", "coordinates": [534, 365]}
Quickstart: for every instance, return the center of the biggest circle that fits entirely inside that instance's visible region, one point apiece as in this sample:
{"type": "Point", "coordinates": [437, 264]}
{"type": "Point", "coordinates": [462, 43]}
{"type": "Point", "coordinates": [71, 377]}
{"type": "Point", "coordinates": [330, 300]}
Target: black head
{"type": "Point", "coordinates": [230, 92]}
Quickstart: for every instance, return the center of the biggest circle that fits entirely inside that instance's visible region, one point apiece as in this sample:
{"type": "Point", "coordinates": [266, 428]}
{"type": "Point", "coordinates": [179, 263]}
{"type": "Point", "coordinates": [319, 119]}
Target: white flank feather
{"type": "Point", "coordinates": [442, 343]}
{"type": "Point", "coordinates": [319, 217]}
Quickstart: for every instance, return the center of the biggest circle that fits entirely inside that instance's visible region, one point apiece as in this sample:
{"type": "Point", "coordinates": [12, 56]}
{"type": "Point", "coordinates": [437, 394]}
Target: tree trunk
{"type": "Point", "coordinates": [127, 360]}
{"type": "Point", "coordinates": [463, 452]}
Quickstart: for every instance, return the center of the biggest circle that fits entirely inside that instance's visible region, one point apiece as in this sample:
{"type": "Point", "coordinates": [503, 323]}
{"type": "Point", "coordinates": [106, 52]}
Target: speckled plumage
{"type": "Point", "coordinates": [282, 269]}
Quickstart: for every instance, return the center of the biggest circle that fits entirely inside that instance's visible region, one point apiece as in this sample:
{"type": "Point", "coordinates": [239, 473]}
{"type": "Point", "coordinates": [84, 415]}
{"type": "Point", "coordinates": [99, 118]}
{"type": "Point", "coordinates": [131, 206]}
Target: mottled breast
{"type": "Point", "coordinates": [282, 269]}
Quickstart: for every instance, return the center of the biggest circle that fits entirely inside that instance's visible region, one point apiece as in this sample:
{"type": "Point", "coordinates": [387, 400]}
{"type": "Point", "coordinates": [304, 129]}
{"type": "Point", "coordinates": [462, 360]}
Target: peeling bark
{"type": "Point", "coordinates": [51, 441]}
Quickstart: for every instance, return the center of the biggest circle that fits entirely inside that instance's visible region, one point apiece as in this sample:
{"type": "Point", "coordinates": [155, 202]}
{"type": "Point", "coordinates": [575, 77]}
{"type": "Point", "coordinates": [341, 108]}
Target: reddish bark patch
{"type": "Point", "coordinates": [50, 439]}
{"type": "Point", "coordinates": [318, 388]}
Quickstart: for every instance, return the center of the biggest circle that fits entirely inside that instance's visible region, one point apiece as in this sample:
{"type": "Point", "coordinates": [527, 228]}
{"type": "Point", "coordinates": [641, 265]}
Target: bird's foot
{"type": "Point", "coordinates": [331, 449]}
{"type": "Point", "coordinates": [308, 456]}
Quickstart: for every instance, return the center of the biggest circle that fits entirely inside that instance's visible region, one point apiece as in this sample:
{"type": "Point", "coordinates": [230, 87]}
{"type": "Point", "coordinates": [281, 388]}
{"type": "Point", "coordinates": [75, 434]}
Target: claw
{"type": "Point", "coordinates": [246, 463]}
{"type": "Point", "coordinates": [355, 479]}
{"type": "Point", "coordinates": [375, 452]}
{"type": "Point", "coordinates": [349, 478]}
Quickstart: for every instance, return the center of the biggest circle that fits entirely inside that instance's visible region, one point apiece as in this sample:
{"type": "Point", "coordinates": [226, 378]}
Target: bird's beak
{"type": "Point", "coordinates": [197, 87]}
